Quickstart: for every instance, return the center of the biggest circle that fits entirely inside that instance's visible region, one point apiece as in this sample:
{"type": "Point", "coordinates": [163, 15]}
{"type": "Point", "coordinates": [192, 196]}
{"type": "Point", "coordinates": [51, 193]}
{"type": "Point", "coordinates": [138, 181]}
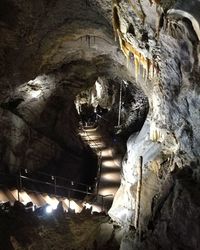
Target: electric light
{"type": "Point", "coordinates": [108, 163]}
{"type": "Point", "coordinates": [111, 177]}
{"type": "Point", "coordinates": [73, 205]}
{"type": "Point", "coordinates": [49, 209]}
{"type": "Point", "coordinates": [106, 152]}
{"type": "Point", "coordinates": [108, 191]}
{"type": "Point", "coordinates": [87, 205]}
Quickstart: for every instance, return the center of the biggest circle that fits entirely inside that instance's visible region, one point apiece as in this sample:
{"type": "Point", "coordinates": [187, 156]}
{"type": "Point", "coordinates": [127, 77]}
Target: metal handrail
{"type": "Point", "coordinates": [99, 154]}
{"type": "Point", "coordinates": [21, 187]}
{"type": "Point", "coordinates": [55, 177]}
{"type": "Point", "coordinates": [53, 185]}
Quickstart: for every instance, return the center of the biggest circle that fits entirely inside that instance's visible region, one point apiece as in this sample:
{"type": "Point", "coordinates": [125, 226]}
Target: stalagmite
{"type": "Point", "coordinates": [143, 73]}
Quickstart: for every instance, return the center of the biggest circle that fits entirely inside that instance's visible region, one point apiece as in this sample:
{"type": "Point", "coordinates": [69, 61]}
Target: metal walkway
{"type": "Point", "coordinates": [109, 165]}
{"type": "Point", "coordinates": [41, 188]}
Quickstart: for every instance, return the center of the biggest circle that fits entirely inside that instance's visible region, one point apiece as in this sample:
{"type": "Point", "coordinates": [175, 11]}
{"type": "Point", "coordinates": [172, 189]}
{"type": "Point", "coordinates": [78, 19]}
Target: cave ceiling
{"type": "Point", "coordinates": [74, 38]}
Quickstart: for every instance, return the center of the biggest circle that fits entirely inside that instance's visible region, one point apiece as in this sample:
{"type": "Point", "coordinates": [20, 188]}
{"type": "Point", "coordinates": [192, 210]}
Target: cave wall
{"type": "Point", "coordinates": [49, 51]}
{"type": "Point", "coordinates": [162, 51]}
{"type": "Point", "coordinates": [39, 125]}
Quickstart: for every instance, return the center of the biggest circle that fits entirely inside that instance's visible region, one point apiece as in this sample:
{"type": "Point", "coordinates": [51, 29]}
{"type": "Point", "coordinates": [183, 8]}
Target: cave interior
{"type": "Point", "coordinates": [100, 124]}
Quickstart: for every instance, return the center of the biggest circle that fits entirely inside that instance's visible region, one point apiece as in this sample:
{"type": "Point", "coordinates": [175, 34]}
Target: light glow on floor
{"type": "Point", "coordinates": [111, 177]}
{"type": "Point", "coordinates": [108, 163]}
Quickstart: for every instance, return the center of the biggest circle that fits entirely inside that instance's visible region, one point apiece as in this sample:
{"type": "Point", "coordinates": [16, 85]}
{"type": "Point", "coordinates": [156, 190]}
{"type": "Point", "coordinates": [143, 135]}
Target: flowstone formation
{"type": "Point", "coordinates": [160, 41]}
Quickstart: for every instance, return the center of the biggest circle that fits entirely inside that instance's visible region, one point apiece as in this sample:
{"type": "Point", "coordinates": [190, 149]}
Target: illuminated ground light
{"type": "Point", "coordinates": [108, 191]}
{"type": "Point", "coordinates": [15, 194]}
{"type": "Point", "coordinates": [106, 153]}
{"type": "Point", "coordinates": [97, 145]}
{"type": "Point", "coordinates": [108, 163]}
{"type": "Point", "coordinates": [83, 134]}
{"type": "Point", "coordinates": [111, 177]}
{"type": "Point", "coordinates": [93, 138]}
{"type": "Point", "coordinates": [24, 197]}
{"type": "Point", "coordinates": [52, 201]}
{"type": "Point", "coordinates": [37, 199]}
{"type": "Point", "coordinates": [49, 209]}
{"type": "Point", "coordinates": [97, 209]}
{"type": "Point", "coordinates": [65, 204]}
{"type": "Point", "coordinates": [87, 205]}
{"type": "Point", "coordinates": [9, 195]}
{"type": "Point", "coordinates": [91, 130]}
{"type": "Point", "coordinates": [74, 206]}
{"type": "Point", "coordinates": [3, 197]}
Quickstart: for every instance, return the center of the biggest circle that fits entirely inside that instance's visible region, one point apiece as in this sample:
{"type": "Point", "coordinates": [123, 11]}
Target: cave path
{"type": "Point", "coordinates": [109, 164]}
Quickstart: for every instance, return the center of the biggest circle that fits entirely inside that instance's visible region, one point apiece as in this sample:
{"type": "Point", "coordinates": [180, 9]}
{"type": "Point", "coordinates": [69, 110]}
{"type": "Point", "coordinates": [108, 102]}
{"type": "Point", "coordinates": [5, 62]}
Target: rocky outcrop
{"type": "Point", "coordinates": [58, 230]}
{"type": "Point", "coordinates": [49, 52]}
{"type": "Point", "coordinates": [163, 56]}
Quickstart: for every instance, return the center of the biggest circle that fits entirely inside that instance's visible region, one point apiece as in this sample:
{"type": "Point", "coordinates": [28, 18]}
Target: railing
{"type": "Point", "coordinates": [22, 182]}
{"type": "Point", "coordinates": [57, 180]}
{"type": "Point", "coordinates": [99, 154]}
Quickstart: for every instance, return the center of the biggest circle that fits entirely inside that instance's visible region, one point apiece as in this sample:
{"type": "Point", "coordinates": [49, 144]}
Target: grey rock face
{"type": "Point", "coordinates": [166, 57]}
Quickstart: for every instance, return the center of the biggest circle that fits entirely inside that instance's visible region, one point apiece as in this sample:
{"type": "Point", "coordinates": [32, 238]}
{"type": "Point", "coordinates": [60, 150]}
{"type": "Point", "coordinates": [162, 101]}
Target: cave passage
{"type": "Point", "coordinates": [99, 121]}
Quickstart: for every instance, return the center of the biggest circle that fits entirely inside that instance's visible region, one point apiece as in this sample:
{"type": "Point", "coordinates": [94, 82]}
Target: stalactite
{"type": "Point", "coordinates": [125, 50]}
{"type": "Point", "coordinates": [143, 14]}
{"type": "Point", "coordinates": [151, 2]}
{"type": "Point", "coordinates": [120, 39]}
{"type": "Point", "coordinates": [136, 67]}
{"type": "Point", "coordinates": [144, 73]}
{"type": "Point", "coordinates": [138, 13]}
{"type": "Point", "coordinates": [115, 21]}
{"type": "Point", "coordinates": [150, 68]}
{"type": "Point", "coordinates": [160, 24]}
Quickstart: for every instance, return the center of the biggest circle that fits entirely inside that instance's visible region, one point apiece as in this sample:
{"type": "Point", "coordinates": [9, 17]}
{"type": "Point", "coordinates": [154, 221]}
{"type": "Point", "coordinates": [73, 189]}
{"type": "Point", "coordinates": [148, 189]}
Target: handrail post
{"type": "Point", "coordinates": [102, 200]}
{"type": "Point", "coordinates": [120, 105]}
{"type": "Point", "coordinates": [138, 197]}
{"type": "Point", "coordinates": [55, 187]}
{"type": "Point", "coordinates": [69, 197]}
{"type": "Point", "coordinates": [19, 184]}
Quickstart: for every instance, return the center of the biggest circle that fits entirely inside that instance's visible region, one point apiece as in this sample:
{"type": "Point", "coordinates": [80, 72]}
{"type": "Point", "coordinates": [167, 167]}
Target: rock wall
{"type": "Point", "coordinates": [161, 45]}
{"type": "Point", "coordinates": [39, 125]}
